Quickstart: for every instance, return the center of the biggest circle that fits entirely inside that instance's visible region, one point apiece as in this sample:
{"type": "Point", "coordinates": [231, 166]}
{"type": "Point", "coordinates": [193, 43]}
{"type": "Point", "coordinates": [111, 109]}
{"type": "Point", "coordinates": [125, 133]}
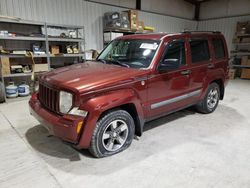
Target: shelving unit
{"type": "Point", "coordinates": [44, 34]}
{"type": "Point", "coordinates": [23, 38]}
{"type": "Point", "coordinates": [109, 31]}
{"type": "Point", "coordinates": [241, 54]}
{"type": "Point", "coordinates": [22, 56]}
{"type": "Point", "coordinates": [17, 75]}
{"type": "Point", "coordinates": [68, 55]}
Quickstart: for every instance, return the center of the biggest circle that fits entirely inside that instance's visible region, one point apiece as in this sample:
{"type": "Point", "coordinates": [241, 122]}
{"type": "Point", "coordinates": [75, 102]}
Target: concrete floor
{"type": "Point", "coordinates": [185, 149]}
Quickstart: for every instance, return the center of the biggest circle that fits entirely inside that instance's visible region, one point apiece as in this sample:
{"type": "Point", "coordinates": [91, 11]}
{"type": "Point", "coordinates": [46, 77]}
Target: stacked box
{"type": "Point", "coordinates": [125, 23]}
{"type": "Point", "coordinates": [133, 18]}
{"type": "Point", "coordinates": [231, 73]}
{"type": "Point", "coordinates": [55, 49]}
{"type": "Point", "coordinates": [112, 20]}
{"type": "Point", "coordinates": [5, 65]}
{"type": "Point", "coordinates": [243, 27]}
{"type": "Point", "coordinates": [41, 68]}
{"type": "Point", "coordinates": [245, 73]}
{"type": "Point", "coordinates": [140, 26]}
{"type": "Point", "coordinates": [245, 61]}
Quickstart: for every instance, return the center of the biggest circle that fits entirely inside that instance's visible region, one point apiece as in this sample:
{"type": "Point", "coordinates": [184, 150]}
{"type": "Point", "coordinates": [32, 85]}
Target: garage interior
{"type": "Point", "coordinates": [183, 149]}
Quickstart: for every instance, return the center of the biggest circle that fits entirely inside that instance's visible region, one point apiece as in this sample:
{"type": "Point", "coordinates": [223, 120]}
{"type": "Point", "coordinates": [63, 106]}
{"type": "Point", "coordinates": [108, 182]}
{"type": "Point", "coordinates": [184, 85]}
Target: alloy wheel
{"type": "Point", "coordinates": [212, 98]}
{"type": "Point", "coordinates": [115, 135]}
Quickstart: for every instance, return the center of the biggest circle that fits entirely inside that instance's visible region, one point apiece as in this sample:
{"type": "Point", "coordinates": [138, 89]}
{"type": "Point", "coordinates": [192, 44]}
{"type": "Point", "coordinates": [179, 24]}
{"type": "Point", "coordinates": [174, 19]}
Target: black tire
{"type": "Point", "coordinates": [99, 146]}
{"type": "Point", "coordinates": [203, 106]}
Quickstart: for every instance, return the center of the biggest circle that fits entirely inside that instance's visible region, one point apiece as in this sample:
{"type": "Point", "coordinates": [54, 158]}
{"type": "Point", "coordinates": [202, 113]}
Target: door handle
{"type": "Point", "coordinates": [210, 66]}
{"type": "Point", "coordinates": [185, 72]}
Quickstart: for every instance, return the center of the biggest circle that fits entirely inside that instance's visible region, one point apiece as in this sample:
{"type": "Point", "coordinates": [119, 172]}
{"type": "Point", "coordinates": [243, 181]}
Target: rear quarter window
{"type": "Point", "coordinates": [219, 50]}
{"type": "Point", "coordinates": [199, 50]}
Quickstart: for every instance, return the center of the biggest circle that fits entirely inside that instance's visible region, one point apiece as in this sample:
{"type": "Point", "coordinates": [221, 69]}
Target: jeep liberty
{"type": "Point", "coordinates": [101, 105]}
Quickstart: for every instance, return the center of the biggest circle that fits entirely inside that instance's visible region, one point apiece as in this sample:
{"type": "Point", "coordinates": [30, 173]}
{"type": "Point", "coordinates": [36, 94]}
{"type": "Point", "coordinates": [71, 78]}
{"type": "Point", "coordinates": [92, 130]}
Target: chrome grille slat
{"type": "Point", "coordinates": [49, 98]}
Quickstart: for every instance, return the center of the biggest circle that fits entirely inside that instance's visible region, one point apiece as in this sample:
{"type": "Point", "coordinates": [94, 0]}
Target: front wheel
{"type": "Point", "coordinates": [114, 133]}
{"type": "Point", "coordinates": [211, 99]}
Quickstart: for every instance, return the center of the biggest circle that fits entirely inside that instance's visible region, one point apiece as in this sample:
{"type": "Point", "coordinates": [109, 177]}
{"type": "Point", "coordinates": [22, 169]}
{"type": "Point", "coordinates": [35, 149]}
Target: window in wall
{"type": "Point", "coordinates": [199, 50]}
{"type": "Point", "coordinates": [219, 50]}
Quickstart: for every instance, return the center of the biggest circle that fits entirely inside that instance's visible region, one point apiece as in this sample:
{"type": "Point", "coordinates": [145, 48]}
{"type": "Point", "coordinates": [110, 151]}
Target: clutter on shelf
{"type": "Point", "coordinates": [126, 20]}
{"type": "Point", "coordinates": [241, 54]}
{"type": "Point", "coordinates": [29, 48]}
{"type": "Point", "coordinates": [91, 54]}
{"type": "Point", "coordinates": [13, 91]}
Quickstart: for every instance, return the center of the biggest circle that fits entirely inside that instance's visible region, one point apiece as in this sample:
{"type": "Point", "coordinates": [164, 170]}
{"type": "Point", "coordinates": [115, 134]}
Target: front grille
{"type": "Point", "coordinates": [49, 98]}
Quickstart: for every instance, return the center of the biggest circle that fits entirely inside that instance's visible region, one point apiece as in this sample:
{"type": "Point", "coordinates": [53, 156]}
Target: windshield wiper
{"type": "Point", "coordinates": [119, 63]}
{"type": "Point", "coordinates": [102, 60]}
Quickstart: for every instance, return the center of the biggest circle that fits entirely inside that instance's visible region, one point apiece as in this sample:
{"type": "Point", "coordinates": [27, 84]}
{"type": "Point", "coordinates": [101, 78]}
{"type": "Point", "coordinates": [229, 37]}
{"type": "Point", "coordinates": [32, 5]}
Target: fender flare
{"type": "Point", "coordinates": [215, 78]}
{"type": "Point", "coordinates": [98, 105]}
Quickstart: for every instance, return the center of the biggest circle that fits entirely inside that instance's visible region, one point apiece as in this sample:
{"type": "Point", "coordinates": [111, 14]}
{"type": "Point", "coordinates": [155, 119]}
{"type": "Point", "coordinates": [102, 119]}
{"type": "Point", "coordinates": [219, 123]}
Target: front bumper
{"type": "Point", "coordinates": [64, 127]}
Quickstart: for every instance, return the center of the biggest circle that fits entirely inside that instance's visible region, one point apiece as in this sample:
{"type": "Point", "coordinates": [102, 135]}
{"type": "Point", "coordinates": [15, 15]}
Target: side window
{"type": "Point", "coordinates": [219, 50]}
{"type": "Point", "coordinates": [199, 50]}
{"type": "Point", "coordinates": [176, 50]}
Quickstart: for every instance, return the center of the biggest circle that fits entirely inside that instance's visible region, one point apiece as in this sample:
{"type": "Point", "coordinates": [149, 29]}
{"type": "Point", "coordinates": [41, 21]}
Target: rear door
{"type": "Point", "coordinates": [220, 56]}
{"type": "Point", "coordinates": [201, 63]}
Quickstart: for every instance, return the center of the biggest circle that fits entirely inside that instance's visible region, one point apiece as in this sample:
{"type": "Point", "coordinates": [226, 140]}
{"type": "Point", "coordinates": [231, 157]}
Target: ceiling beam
{"type": "Point", "coordinates": [196, 1]}
{"type": "Point", "coordinates": [197, 5]}
{"type": "Point", "coordinates": [138, 4]}
{"type": "Point", "coordinates": [193, 2]}
{"type": "Point", "coordinates": [197, 11]}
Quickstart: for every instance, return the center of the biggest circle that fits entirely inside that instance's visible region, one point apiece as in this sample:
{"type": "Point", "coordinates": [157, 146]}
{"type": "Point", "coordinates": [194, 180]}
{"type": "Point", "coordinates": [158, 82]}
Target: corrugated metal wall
{"type": "Point", "coordinates": [226, 25]}
{"type": "Point", "coordinates": [167, 23]}
{"type": "Point", "coordinates": [79, 12]}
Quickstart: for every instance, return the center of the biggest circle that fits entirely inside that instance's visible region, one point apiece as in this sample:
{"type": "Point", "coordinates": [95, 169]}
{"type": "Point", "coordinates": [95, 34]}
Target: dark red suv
{"type": "Point", "coordinates": [102, 104]}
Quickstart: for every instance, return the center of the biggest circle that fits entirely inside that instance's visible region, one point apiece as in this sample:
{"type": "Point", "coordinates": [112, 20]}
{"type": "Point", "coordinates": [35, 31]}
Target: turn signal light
{"type": "Point", "coordinates": [79, 127]}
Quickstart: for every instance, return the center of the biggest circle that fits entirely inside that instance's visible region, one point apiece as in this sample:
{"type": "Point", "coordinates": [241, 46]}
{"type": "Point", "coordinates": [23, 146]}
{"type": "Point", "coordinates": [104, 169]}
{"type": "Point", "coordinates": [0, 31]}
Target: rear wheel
{"type": "Point", "coordinates": [211, 99]}
{"type": "Point", "coordinates": [114, 133]}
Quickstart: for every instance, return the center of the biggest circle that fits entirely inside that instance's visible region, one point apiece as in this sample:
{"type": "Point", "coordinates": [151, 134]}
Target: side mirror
{"type": "Point", "coordinates": [169, 64]}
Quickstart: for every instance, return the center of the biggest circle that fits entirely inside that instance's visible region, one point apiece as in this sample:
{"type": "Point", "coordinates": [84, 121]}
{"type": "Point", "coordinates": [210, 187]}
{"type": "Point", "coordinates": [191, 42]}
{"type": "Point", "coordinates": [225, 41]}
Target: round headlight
{"type": "Point", "coordinates": [65, 102]}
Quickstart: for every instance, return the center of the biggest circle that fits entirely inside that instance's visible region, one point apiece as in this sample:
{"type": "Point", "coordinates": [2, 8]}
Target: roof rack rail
{"type": "Point", "coordinates": [189, 31]}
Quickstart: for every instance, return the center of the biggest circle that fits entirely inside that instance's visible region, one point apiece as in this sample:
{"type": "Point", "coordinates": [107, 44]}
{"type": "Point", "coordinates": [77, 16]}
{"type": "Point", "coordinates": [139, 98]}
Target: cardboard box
{"type": "Point", "coordinates": [125, 23]}
{"type": "Point", "coordinates": [124, 16]}
{"type": "Point", "coordinates": [236, 40]}
{"type": "Point", "coordinates": [5, 65]}
{"type": "Point", "coordinates": [41, 67]}
{"type": "Point", "coordinates": [88, 55]}
{"type": "Point", "coordinates": [245, 73]}
{"type": "Point", "coordinates": [243, 27]}
{"type": "Point", "coordinates": [111, 36]}
{"type": "Point", "coordinates": [244, 60]}
{"type": "Point", "coordinates": [133, 25]}
{"type": "Point", "coordinates": [133, 18]}
{"type": "Point", "coordinates": [133, 15]}
{"type": "Point", "coordinates": [112, 20]}
{"type": "Point", "coordinates": [55, 49]}
{"type": "Point", "coordinates": [231, 74]}
{"type": "Point", "coordinates": [245, 40]}
{"type": "Point", "coordinates": [140, 26]}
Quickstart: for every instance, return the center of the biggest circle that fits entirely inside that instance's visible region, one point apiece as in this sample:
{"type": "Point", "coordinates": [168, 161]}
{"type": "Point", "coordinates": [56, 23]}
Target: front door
{"type": "Point", "coordinates": [170, 90]}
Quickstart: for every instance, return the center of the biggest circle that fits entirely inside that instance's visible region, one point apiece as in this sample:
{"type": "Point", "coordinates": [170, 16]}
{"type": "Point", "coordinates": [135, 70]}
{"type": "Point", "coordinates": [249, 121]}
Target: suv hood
{"type": "Point", "coordinates": [90, 75]}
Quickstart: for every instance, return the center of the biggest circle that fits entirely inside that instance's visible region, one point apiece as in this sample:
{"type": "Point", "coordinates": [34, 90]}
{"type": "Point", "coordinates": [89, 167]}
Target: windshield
{"type": "Point", "coordinates": [130, 53]}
